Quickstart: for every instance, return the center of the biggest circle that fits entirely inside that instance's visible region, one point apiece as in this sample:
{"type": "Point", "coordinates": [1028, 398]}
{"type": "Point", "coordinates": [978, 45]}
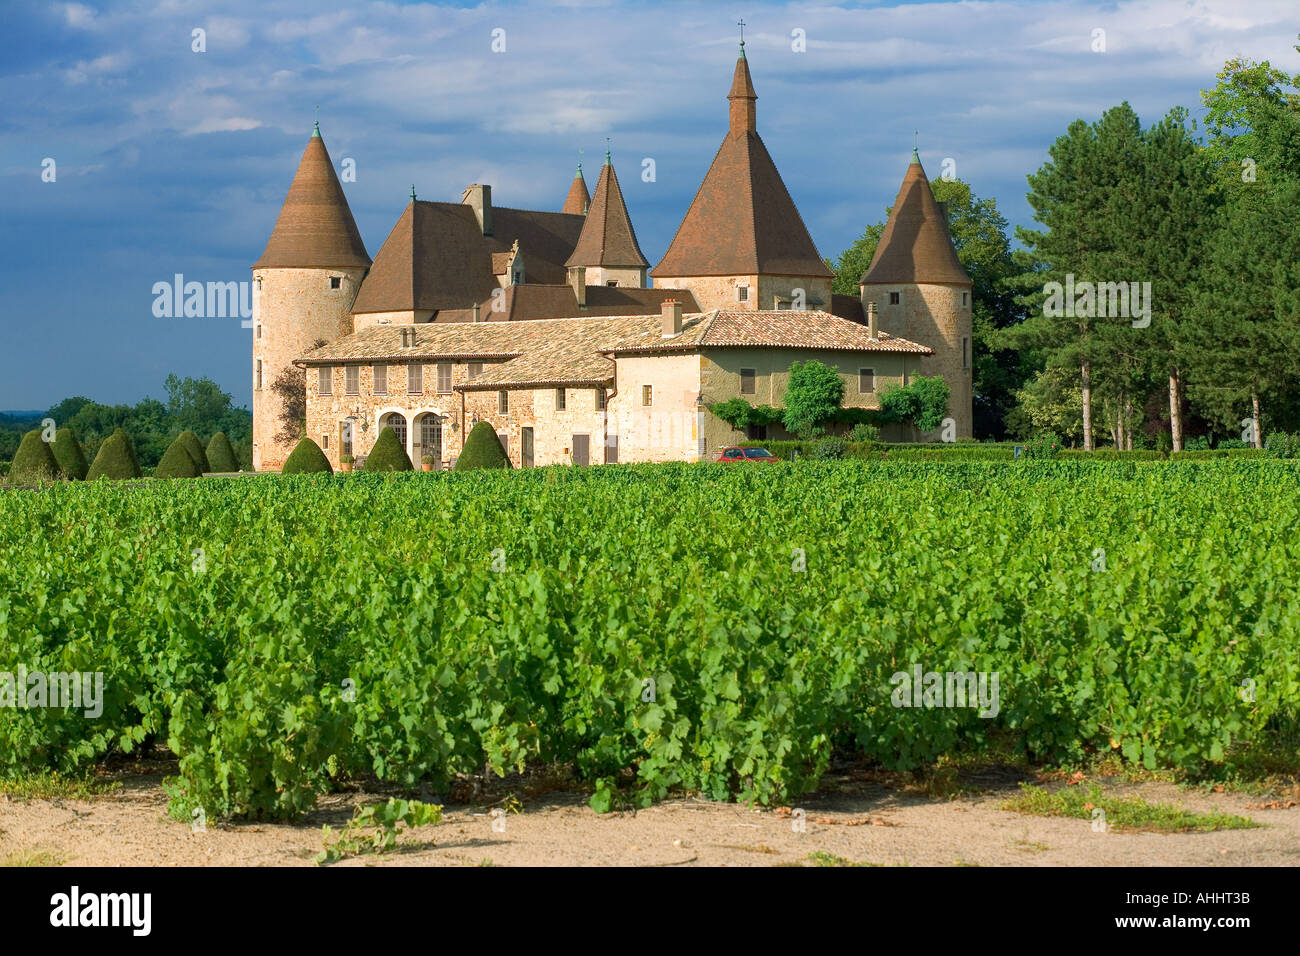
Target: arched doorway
{"type": "Point", "coordinates": [427, 438]}
{"type": "Point", "coordinates": [397, 422]}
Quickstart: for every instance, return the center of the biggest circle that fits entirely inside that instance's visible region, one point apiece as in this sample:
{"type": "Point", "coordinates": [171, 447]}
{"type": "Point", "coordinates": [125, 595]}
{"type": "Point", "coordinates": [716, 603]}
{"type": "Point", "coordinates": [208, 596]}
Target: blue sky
{"type": "Point", "coordinates": [171, 161]}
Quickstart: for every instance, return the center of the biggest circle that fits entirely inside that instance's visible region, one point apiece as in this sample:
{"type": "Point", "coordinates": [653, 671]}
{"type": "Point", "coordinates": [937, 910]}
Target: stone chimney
{"type": "Point", "coordinates": [479, 198]}
{"type": "Point", "coordinates": [671, 321]}
{"type": "Point", "coordinates": [477, 317]}
{"type": "Point", "coordinates": [578, 282]}
{"type": "Point", "coordinates": [873, 328]}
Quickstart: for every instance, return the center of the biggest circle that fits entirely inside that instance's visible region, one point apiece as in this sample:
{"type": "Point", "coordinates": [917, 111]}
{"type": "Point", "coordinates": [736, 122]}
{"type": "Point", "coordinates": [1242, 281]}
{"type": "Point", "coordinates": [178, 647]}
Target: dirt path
{"type": "Point", "coordinates": [855, 821]}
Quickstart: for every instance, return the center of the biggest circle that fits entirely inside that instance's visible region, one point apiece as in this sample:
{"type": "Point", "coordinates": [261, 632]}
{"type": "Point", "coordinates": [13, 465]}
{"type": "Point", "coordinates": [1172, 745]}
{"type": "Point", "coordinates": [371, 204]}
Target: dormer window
{"type": "Point", "coordinates": [336, 282]}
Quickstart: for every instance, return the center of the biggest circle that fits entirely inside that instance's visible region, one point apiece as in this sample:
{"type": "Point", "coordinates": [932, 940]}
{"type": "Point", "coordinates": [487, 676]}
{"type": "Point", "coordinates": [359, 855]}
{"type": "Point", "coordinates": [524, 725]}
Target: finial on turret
{"type": "Point", "coordinates": [412, 192]}
{"type": "Point", "coordinates": [316, 131]}
{"type": "Point", "coordinates": [741, 24]}
{"type": "Point", "coordinates": [606, 150]}
{"type": "Point", "coordinates": [916, 157]}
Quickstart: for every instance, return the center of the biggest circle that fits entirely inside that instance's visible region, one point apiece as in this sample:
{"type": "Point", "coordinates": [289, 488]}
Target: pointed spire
{"type": "Point", "coordinates": [607, 237]}
{"type": "Point", "coordinates": [315, 229]}
{"type": "Point", "coordinates": [916, 245]}
{"type": "Point", "coordinates": [576, 202]}
{"type": "Point", "coordinates": [742, 97]}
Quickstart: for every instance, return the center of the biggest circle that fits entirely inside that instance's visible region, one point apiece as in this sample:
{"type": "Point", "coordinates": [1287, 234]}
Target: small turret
{"type": "Point", "coordinates": [578, 199]}
{"type": "Point", "coordinates": [607, 247]}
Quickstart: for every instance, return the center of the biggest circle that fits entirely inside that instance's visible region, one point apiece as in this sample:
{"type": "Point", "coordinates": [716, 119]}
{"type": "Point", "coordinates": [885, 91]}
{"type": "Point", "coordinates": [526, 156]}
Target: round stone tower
{"type": "Point", "coordinates": [303, 288]}
{"type": "Point", "coordinates": [923, 294]}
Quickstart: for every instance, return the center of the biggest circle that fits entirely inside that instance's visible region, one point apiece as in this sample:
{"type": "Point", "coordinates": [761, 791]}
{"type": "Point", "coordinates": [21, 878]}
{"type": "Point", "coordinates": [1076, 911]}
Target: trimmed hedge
{"type": "Point", "coordinates": [190, 442]}
{"type": "Point", "coordinates": [34, 463]}
{"type": "Point", "coordinates": [221, 456]}
{"type": "Point", "coordinates": [388, 454]}
{"type": "Point", "coordinates": [307, 459]}
{"type": "Point", "coordinates": [1114, 454]}
{"type": "Point", "coordinates": [116, 459]}
{"type": "Point", "coordinates": [177, 462]}
{"type": "Point", "coordinates": [1200, 454]}
{"type": "Point", "coordinates": [482, 450]}
{"type": "Point", "coordinates": [69, 455]}
{"type": "Point", "coordinates": [875, 451]}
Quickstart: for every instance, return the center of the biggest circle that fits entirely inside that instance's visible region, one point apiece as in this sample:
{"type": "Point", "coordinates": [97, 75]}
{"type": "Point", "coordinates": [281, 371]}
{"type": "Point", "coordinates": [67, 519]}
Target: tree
{"type": "Point", "coordinates": [482, 450]}
{"type": "Point", "coordinates": [306, 459]}
{"type": "Point", "coordinates": [923, 402]}
{"type": "Point", "coordinates": [221, 456]}
{"type": "Point", "coordinates": [69, 454]}
{"type": "Point", "coordinates": [812, 398]}
{"type": "Point", "coordinates": [980, 234]}
{"type": "Point", "coordinates": [388, 453]}
{"type": "Point", "coordinates": [116, 459]}
{"type": "Point", "coordinates": [177, 462]}
{"type": "Point", "coordinates": [34, 462]}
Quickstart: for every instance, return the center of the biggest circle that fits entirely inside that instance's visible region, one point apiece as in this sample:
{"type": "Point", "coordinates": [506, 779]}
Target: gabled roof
{"type": "Point", "coordinates": [576, 202]}
{"type": "Point", "coordinates": [437, 257]}
{"type": "Point", "coordinates": [787, 329]}
{"type": "Point", "coordinates": [607, 236]}
{"type": "Point", "coordinates": [315, 229]}
{"type": "Point", "coordinates": [742, 220]}
{"type": "Point", "coordinates": [916, 245]}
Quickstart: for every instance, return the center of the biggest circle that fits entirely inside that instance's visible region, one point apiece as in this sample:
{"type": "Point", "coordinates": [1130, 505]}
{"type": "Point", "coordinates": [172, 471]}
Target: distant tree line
{"type": "Point", "coordinates": [193, 404]}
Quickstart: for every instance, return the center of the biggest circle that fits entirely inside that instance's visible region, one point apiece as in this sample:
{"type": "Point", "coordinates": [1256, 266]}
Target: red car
{"type": "Point", "coordinates": [759, 455]}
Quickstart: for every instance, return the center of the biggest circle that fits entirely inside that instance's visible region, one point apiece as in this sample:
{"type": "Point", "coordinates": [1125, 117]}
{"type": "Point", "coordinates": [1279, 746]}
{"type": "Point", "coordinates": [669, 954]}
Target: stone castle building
{"type": "Point", "coordinates": [542, 323]}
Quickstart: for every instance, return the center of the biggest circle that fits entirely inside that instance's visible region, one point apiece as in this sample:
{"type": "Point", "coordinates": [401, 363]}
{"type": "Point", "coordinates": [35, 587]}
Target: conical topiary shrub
{"type": "Point", "coordinates": [190, 442]}
{"type": "Point", "coordinates": [221, 456]}
{"type": "Point", "coordinates": [116, 459]}
{"type": "Point", "coordinates": [306, 459]}
{"type": "Point", "coordinates": [176, 462]}
{"type": "Point", "coordinates": [388, 454]}
{"type": "Point", "coordinates": [482, 450]}
{"type": "Point", "coordinates": [69, 454]}
{"type": "Point", "coordinates": [33, 462]}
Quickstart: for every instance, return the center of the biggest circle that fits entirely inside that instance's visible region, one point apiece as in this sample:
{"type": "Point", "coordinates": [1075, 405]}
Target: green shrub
{"type": "Point", "coordinates": [1045, 445]}
{"type": "Point", "coordinates": [1205, 454]}
{"type": "Point", "coordinates": [177, 462]}
{"type": "Point", "coordinates": [34, 463]}
{"type": "Point", "coordinates": [190, 442]}
{"type": "Point", "coordinates": [221, 456]}
{"type": "Point", "coordinates": [864, 432]}
{"type": "Point", "coordinates": [306, 459]}
{"type": "Point", "coordinates": [388, 454]}
{"type": "Point", "coordinates": [69, 455]}
{"type": "Point", "coordinates": [116, 459]}
{"type": "Point", "coordinates": [812, 397]}
{"type": "Point", "coordinates": [1234, 443]}
{"type": "Point", "coordinates": [739, 414]}
{"type": "Point", "coordinates": [1277, 445]}
{"type": "Point", "coordinates": [830, 448]}
{"type": "Point", "coordinates": [482, 450]}
{"type": "Point", "coordinates": [1113, 454]}
{"type": "Point", "coordinates": [1199, 443]}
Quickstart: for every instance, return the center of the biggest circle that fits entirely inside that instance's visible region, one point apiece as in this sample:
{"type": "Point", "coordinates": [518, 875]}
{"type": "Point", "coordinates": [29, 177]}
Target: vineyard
{"type": "Point", "coordinates": [716, 629]}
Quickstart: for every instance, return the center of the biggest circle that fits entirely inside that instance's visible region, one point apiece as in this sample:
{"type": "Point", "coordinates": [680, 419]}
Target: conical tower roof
{"type": "Point", "coordinates": [742, 220]}
{"type": "Point", "coordinates": [607, 237]}
{"type": "Point", "coordinates": [916, 245]}
{"type": "Point", "coordinates": [578, 199]}
{"type": "Point", "coordinates": [315, 229]}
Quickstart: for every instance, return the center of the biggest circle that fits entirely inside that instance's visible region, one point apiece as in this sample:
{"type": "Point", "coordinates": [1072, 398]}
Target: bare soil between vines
{"type": "Point", "coordinates": [855, 818]}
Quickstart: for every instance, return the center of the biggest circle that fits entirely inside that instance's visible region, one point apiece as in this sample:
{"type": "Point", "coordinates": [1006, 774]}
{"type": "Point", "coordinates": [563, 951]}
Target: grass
{"type": "Point", "coordinates": [32, 858]}
{"type": "Point", "coordinates": [55, 786]}
{"type": "Point", "coordinates": [1122, 813]}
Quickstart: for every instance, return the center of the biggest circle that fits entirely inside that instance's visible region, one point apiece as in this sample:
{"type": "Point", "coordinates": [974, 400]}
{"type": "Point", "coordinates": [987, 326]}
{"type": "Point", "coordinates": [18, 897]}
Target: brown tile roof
{"type": "Point", "coordinates": [742, 220]}
{"type": "Point", "coordinates": [500, 263]}
{"type": "Point", "coordinates": [541, 352]}
{"type": "Point", "coordinates": [535, 301]}
{"type": "Point", "coordinates": [916, 245]}
{"type": "Point", "coordinates": [437, 257]}
{"type": "Point", "coordinates": [315, 229]}
{"type": "Point", "coordinates": [576, 202]}
{"type": "Point", "coordinates": [754, 329]}
{"type": "Point", "coordinates": [607, 236]}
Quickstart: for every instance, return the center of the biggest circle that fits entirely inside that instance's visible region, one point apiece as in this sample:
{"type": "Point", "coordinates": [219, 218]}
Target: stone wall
{"type": "Point", "coordinates": [292, 309]}
{"type": "Point", "coordinates": [720, 292]}
{"type": "Point", "coordinates": [935, 316]}
{"type": "Point", "coordinates": [668, 428]}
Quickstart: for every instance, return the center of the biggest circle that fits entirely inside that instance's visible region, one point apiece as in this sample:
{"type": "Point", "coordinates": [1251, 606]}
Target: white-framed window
{"type": "Point", "coordinates": [647, 395]}
{"type": "Point", "coordinates": [414, 378]}
{"type": "Point", "coordinates": [352, 379]}
{"type": "Point", "coordinates": [444, 378]}
{"type": "Point", "coordinates": [866, 380]}
{"type": "Point", "coordinates": [560, 400]}
{"type": "Point", "coordinates": [325, 380]}
{"type": "Point", "coordinates": [381, 379]}
{"type": "Point", "coordinates": [601, 401]}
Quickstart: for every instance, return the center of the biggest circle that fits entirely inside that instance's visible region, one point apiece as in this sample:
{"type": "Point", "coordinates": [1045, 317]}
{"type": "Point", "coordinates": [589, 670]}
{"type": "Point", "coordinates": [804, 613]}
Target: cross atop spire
{"type": "Point", "coordinates": [741, 23]}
